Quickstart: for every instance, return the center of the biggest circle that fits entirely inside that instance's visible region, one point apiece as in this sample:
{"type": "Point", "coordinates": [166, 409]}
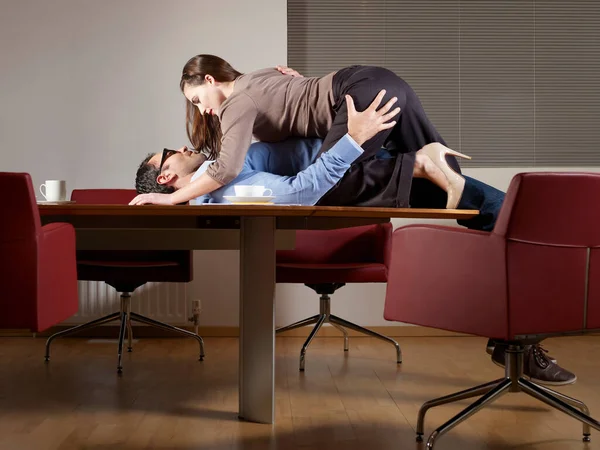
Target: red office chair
{"type": "Point", "coordinates": [543, 255]}
{"type": "Point", "coordinates": [126, 271]}
{"type": "Point", "coordinates": [327, 260]}
{"type": "Point", "coordinates": [38, 275]}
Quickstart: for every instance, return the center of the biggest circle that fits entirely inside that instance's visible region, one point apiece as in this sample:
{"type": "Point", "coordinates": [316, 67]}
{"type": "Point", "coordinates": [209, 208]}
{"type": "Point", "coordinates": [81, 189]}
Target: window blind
{"type": "Point", "coordinates": [509, 82]}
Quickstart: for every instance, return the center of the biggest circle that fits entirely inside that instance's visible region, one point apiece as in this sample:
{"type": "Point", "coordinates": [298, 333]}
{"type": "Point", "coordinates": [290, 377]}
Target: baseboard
{"type": "Point", "coordinates": [326, 331]}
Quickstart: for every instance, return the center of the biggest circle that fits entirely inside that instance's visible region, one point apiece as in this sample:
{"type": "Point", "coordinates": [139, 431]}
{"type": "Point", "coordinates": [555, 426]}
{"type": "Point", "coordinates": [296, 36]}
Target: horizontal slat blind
{"type": "Point", "coordinates": [496, 82]}
{"type": "Point", "coordinates": [509, 82]}
{"type": "Point", "coordinates": [567, 88]}
{"type": "Point", "coordinates": [327, 35]}
{"type": "Point", "coordinates": [431, 66]}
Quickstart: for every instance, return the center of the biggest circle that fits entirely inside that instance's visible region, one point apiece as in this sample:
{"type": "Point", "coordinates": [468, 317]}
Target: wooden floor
{"type": "Point", "coordinates": [166, 399]}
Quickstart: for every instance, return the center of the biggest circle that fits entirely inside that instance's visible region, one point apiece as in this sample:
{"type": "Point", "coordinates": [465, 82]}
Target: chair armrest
{"type": "Point", "coordinates": [449, 278]}
{"type": "Point", "coordinates": [57, 275]}
{"type": "Point", "coordinates": [63, 229]}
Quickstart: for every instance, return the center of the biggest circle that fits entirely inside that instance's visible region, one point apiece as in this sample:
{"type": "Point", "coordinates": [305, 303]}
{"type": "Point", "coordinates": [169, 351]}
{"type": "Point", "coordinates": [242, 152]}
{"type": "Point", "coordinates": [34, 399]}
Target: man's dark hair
{"type": "Point", "coordinates": [145, 179]}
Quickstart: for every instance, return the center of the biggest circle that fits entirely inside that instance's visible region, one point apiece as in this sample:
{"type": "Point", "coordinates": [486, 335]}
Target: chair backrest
{"type": "Point", "coordinates": [552, 208]}
{"type": "Point", "coordinates": [103, 196]}
{"type": "Point", "coordinates": [20, 233]}
{"type": "Point", "coordinates": [182, 271]}
{"type": "Point", "coordinates": [551, 223]}
{"type": "Point", "coordinates": [20, 215]}
{"type": "Point", "coordinates": [362, 244]}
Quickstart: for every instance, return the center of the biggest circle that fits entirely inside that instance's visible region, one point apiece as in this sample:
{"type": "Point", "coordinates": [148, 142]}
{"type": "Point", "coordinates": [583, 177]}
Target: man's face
{"type": "Point", "coordinates": [177, 165]}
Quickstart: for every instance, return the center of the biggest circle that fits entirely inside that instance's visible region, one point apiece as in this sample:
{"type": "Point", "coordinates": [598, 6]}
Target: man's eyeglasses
{"type": "Point", "coordinates": [165, 155]}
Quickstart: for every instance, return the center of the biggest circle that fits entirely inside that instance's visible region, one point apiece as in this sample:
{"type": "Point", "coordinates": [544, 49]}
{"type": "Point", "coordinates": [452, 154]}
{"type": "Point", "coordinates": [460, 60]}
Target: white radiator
{"type": "Point", "coordinates": [167, 302]}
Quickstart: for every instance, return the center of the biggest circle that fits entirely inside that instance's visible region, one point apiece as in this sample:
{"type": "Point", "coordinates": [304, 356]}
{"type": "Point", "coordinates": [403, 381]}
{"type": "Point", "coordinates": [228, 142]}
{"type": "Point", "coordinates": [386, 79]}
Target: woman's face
{"type": "Point", "coordinates": [208, 96]}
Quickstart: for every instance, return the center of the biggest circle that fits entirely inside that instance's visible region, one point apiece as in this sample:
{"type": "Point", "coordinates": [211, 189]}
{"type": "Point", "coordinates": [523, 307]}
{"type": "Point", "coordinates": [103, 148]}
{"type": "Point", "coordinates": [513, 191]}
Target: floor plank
{"type": "Point", "coordinates": [360, 399]}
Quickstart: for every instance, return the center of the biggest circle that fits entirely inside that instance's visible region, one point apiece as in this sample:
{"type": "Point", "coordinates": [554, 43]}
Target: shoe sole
{"type": "Point", "coordinates": [536, 380]}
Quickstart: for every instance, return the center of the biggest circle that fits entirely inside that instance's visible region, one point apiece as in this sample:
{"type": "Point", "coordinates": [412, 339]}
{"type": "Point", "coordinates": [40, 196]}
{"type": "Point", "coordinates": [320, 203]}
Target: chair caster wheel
{"type": "Point", "coordinates": [201, 358]}
{"type": "Point", "coordinates": [419, 438]}
{"type": "Point", "coordinates": [46, 359]}
{"type": "Point", "coordinates": [119, 370]}
{"type": "Point", "coordinates": [129, 349]}
{"type": "Point", "coordinates": [587, 438]}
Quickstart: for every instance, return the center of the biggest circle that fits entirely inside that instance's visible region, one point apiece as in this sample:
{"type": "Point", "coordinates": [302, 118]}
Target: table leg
{"type": "Point", "coordinates": [257, 319]}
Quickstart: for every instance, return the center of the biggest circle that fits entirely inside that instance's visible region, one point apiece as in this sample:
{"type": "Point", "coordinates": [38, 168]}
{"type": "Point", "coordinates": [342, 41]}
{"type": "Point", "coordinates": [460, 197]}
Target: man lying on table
{"type": "Point", "coordinates": [293, 172]}
{"type": "Point", "coordinates": [289, 168]}
{"type": "Point", "coordinates": [295, 175]}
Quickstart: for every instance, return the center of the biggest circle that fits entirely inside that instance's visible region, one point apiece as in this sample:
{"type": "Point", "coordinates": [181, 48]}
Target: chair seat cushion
{"type": "Point", "coordinates": [132, 272]}
{"type": "Point", "coordinates": [331, 273]}
{"type": "Point", "coordinates": [128, 264]}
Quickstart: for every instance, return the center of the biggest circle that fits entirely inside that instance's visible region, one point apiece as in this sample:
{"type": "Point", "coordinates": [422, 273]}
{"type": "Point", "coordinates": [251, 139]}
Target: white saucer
{"type": "Point", "coordinates": [55, 202]}
{"type": "Point", "coordinates": [263, 199]}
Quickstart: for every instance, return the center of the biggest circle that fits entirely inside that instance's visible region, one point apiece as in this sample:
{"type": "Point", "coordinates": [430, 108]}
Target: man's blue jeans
{"type": "Point", "coordinates": [487, 199]}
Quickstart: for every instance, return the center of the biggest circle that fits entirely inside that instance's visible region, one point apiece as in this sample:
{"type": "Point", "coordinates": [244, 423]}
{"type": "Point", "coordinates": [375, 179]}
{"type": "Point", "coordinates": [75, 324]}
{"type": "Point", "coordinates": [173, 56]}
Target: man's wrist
{"type": "Point", "coordinates": [357, 138]}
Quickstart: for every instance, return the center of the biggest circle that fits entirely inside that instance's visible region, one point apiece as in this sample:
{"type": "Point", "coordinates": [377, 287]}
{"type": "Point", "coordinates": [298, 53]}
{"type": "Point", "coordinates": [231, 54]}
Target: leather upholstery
{"type": "Point", "coordinates": [347, 255]}
{"type": "Point", "coordinates": [127, 270]}
{"type": "Point", "coordinates": [103, 196]}
{"type": "Point", "coordinates": [38, 272]}
{"type": "Point", "coordinates": [593, 316]}
{"type": "Point", "coordinates": [528, 276]}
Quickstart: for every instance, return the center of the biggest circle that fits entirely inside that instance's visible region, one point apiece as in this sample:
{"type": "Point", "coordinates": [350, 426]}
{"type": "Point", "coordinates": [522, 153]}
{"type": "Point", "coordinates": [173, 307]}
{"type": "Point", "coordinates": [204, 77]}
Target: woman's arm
{"type": "Point", "coordinates": [237, 124]}
{"type": "Point", "coordinates": [204, 184]}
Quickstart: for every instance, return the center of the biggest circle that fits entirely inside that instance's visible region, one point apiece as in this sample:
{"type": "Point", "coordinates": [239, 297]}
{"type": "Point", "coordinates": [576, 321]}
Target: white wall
{"type": "Point", "coordinates": [87, 88]}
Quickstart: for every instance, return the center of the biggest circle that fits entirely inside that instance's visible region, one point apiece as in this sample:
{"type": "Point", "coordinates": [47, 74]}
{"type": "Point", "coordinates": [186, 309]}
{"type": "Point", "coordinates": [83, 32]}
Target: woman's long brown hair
{"type": "Point", "coordinates": [204, 131]}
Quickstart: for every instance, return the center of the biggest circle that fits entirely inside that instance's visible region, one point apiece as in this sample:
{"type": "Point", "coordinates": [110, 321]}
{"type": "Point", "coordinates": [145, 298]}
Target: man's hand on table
{"type": "Point", "coordinates": [154, 199]}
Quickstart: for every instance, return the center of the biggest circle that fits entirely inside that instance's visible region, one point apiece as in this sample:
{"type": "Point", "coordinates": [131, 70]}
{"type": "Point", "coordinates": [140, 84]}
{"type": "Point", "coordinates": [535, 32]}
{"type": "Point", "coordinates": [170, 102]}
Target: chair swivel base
{"type": "Point", "coordinates": [512, 382]}
{"type": "Point", "coordinates": [125, 316]}
{"type": "Point", "coordinates": [325, 316]}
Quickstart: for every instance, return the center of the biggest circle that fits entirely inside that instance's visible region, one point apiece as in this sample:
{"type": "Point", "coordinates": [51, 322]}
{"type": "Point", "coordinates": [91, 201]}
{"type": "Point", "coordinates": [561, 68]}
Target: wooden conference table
{"type": "Point", "coordinates": [257, 231]}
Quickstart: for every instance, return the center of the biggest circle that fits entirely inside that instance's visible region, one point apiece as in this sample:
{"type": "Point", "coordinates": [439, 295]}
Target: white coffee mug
{"type": "Point", "coordinates": [54, 190]}
{"type": "Point", "coordinates": [252, 191]}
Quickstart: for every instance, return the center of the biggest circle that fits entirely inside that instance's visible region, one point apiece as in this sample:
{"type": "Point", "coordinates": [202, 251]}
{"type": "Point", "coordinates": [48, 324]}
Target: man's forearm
{"type": "Point", "coordinates": [204, 184]}
{"type": "Point", "coordinates": [309, 185]}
